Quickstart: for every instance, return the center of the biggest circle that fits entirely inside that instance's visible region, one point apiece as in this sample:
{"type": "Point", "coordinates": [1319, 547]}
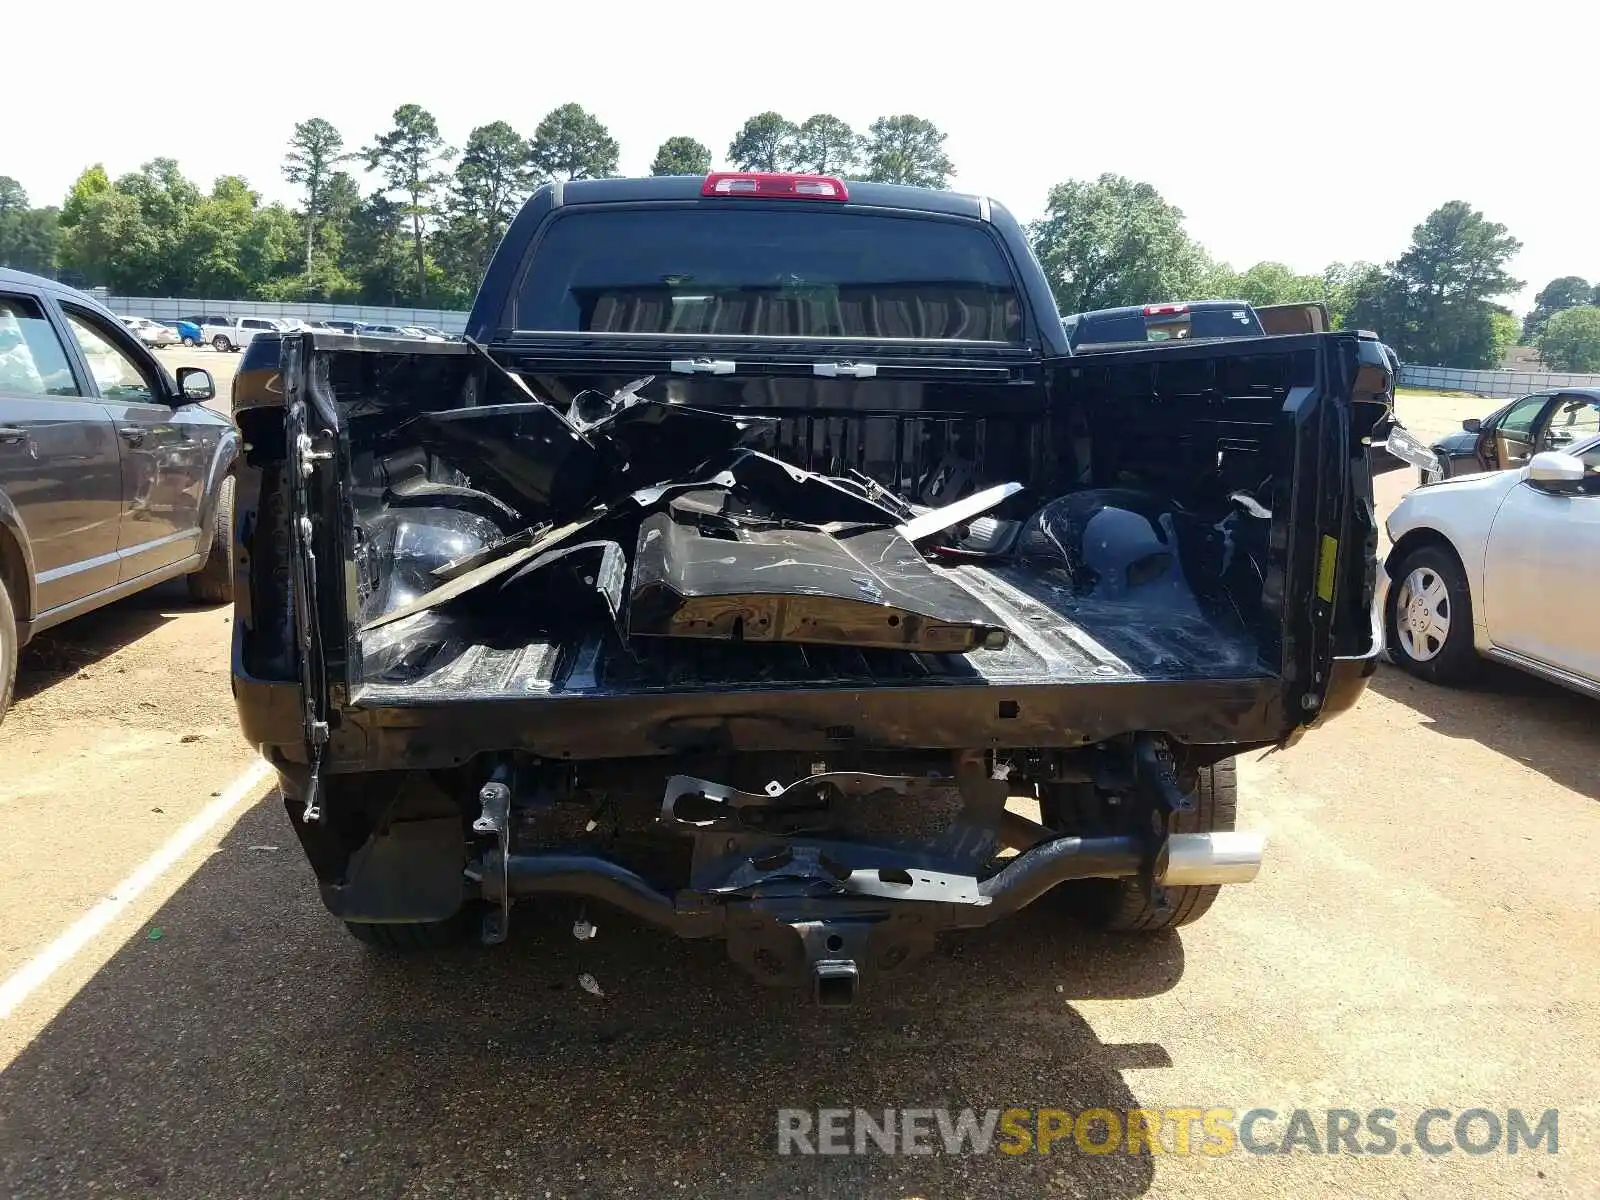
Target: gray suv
{"type": "Point", "coordinates": [114, 475]}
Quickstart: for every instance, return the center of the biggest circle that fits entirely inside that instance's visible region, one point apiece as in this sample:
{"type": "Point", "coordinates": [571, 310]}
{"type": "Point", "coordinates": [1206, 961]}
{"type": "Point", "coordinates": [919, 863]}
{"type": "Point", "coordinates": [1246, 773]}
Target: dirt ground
{"type": "Point", "coordinates": [1425, 932]}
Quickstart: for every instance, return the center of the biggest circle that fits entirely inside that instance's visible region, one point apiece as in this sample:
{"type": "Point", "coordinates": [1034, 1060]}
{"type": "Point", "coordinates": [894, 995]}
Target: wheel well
{"type": "Point", "coordinates": [1415, 540]}
{"type": "Point", "coordinates": [14, 573]}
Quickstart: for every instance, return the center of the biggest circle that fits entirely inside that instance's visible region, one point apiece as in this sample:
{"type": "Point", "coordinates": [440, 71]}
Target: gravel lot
{"type": "Point", "coordinates": [1424, 932]}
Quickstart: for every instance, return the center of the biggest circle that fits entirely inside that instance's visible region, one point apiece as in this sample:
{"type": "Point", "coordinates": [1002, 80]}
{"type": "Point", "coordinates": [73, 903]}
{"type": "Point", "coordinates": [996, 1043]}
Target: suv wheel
{"type": "Point", "coordinates": [8, 649]}
{"type": "Point", "coordinates": [1428, 619]}
{"type": "Point", "coordinates": [213, 582]}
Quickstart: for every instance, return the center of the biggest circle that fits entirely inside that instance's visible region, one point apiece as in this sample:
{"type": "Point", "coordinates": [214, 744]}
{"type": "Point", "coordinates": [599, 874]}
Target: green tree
{"type": "Point", "coordinates": [1569, 291]}
{"type": "Point", "coordinates": [1442, 287]}
{"type": "Point", "coordinates": [375, 252]}
{"type": "Point", "coordinates": [1112, 242]}
{"type": "Point", "coordinates": [571, 143]}
{"type": "Point", "coordinates": [213, 239]}
{"type": "Point", "coordinates": [764, 143]}
{"type": "Point", "coordinates": [28, 235]}
{"type": "Point", "coordinates": [681, 156]}
{"type": "Point", "coordinates": [1504, 332]}
{"type": "Point", "coordinates": [341, 201]}
{"type": "Point", "coordinates": [314, 150]}
{"type": "Point", "coordinates": [131, 234]}
{"type": "Point", "coordinates": [907, 149]}
{"type": "Point", "coordinates": [269, 249]}
{"type": "Point", "coordinates": [93, 220]}
{"type": "Point", "coordinates": [825, 145]}
{"type": "Point", "coordinates": [1570, 340]}
{"type": "Point", "coordinates": [408, 156]}
{"type": "Point", "coordinates": [1275, 283]}
{"type": "Point", "coordinates": [1346, 287]}
{"type": "Point", "coordinates": [491, 181]}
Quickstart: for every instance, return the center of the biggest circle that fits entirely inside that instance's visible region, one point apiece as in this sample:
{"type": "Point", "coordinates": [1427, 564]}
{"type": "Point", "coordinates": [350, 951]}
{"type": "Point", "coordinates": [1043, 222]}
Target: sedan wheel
{"type": "Point", "coordinates": [1429, 617]}
{"type": "Point", "coordinates": [1423, 614]}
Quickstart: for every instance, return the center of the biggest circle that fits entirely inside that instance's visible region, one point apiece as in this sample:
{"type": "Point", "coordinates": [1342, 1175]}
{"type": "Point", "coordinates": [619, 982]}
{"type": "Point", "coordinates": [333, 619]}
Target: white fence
{"type": "Point", "coordinates": [1491, 383]}
{"type": "Point", "coordinates": [166, 308]}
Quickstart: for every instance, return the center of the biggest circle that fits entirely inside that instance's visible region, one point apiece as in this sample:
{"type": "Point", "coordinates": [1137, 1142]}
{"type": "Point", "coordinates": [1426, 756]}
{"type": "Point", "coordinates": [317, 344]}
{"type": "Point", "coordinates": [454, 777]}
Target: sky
{"type": "Point", "coordinates": [1298, 132]}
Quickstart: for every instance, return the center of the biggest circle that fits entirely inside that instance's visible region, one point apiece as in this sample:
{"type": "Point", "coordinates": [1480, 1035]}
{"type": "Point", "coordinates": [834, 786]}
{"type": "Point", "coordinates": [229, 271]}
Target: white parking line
{"type": "Point", "coordinates": [58, 953]}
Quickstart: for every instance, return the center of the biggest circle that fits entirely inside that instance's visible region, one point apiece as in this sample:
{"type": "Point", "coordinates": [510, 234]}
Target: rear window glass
{"type": "Point", "coordinates": [1137, 326]}
{"type": "Point", "coordinates": [1098, 330]}
{"type": "Point", "coordinates": [766, 272]}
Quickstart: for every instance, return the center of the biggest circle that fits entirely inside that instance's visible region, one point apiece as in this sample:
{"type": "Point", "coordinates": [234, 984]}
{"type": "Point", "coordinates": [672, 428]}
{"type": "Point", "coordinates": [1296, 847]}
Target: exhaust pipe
{"type": "Point", "coordinates": [1205, 858]}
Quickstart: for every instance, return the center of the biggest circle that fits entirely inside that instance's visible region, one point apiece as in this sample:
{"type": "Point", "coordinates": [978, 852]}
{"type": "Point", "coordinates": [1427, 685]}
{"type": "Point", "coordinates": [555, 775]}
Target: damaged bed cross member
{"type": "Point", "coordinates": [764, 565]}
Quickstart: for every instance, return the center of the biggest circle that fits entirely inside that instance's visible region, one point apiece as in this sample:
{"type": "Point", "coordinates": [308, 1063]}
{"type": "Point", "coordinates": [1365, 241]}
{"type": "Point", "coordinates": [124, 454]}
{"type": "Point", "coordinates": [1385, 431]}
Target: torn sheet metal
{"type": "Point", "coordinates": [532, 458]}
{"type": "Point", "coordinates": [761, 483]}
{"type": "Point", "coordinates": [589, 407]}
{"type": "Point", "coordinates": [524, 455]}
{"type": "Point", "coordinates": [940, 519]}
{"type": "Point", "coordinates": [650, 442]}
{"type": "Point", "coordinates": [868, 588]}
{"type": "Point", "coordinates": [571, 588]}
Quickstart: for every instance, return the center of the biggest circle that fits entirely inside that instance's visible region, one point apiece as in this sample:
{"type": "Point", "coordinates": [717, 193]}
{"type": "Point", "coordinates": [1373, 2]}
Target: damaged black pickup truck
{"type": "Point", "coordinates": [763, 564]}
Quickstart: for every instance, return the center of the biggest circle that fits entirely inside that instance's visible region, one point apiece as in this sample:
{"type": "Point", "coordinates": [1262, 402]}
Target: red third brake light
{"type": "Point", "coordinates": [774, 187]}
{"type": "Point", "coordinates": [1156, 310]}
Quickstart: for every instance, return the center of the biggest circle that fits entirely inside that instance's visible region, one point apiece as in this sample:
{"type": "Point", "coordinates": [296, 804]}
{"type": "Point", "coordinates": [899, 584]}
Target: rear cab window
{"type": "Point", "coordinates": [1164, 323]}
{"type": "Point", "coordinates": [768, 271]}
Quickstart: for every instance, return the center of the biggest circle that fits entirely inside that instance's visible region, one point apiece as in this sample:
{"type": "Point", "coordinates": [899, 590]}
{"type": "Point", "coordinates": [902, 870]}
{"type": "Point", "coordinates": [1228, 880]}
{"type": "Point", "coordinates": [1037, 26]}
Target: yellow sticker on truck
{"type": "Point", "coordinates": [1327, 568]}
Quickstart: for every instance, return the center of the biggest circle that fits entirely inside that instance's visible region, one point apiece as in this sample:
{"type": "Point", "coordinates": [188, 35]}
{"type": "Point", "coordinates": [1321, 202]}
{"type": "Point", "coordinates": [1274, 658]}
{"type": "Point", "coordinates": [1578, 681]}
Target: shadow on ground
{"type": "Point", "coordinates": [1545, 727]}
{"type": "Point", "coordinates": [60, 653]}
{"type": "Point", "coordinates": [253, 1048]}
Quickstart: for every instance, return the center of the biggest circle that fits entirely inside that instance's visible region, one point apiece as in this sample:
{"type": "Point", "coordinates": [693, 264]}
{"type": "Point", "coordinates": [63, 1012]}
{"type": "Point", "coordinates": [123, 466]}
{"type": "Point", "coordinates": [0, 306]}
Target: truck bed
{"type": "Point", "coordinates": [1056, 638]}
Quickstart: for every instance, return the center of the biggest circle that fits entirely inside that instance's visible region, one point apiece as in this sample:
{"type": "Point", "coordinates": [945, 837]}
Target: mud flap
{"type": "Point", "coordinates": [407, 871]}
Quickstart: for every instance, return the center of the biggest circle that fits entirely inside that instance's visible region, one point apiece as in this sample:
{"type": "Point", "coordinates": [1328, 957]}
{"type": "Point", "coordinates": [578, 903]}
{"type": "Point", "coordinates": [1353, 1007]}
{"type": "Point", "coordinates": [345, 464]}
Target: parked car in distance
{"type": "Point", "coordinates": [1503, 565]}
{"type": "Point", "coordinates": [188, 332]}
{"type": "Point", "coordinates": [114, 475]}
{"type": "Point", "coordinates": [1517, 430]}
{"type": "Point", "coordinates": [234, 334]}
{"type": "Point", "coordinates": [351, 327]}
{"type": "Point", "coordinates": [151, 333]}
{"type": "Point", "coordinates": [388, 331]}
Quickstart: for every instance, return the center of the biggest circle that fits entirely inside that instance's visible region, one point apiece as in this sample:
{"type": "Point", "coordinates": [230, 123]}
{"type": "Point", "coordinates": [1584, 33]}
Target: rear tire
{"type": "Point", "coordinates": [1119, 905]}
{"type": "Point", "coordinates": [8, 649]}
{"type": "Point", "coordinates": [213, 583]}
{"type": "Point", "coordinates": [419, 937]}
{"type": "Point", "coordinates": [1441, 660]}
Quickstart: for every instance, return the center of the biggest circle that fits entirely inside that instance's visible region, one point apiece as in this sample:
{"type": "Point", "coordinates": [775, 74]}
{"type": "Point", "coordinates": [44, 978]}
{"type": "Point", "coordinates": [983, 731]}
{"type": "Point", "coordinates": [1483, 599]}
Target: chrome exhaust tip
{"type": "Point", "coordinates": [1202, 858]}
